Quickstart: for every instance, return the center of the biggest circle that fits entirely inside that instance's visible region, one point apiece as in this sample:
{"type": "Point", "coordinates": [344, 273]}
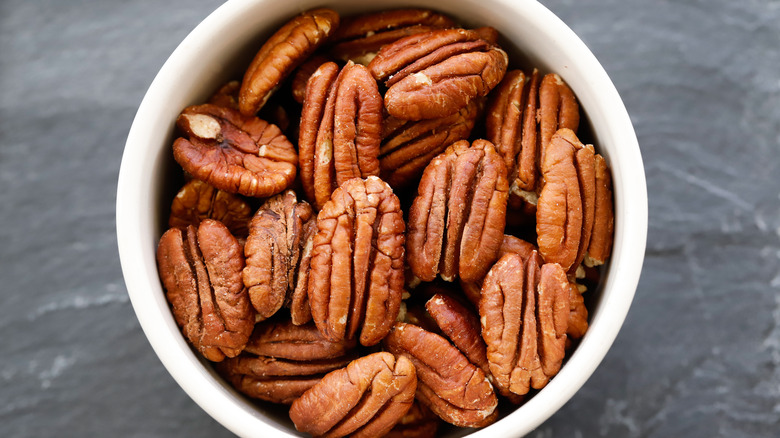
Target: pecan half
{"type": "Point", "coordinates": [419, 422]}
{"type": "Point", "coordinates": [233, 152]}
{"type": "Point", "coordinates": [357, 265]}
{"type": "Point", "coordinates": [200, 269]}
{"type": "Point", "coordinates": [449, 384]}
{"type": "Point", "coordinates": [456, 222]}
{"type": "Point", "coordinates": [558, 109]}
{"type": "Point", "coordinates": [578, 313]}
{"type": "Point", "coordinates": [461, 326]}
{"type": "Point", "coordinates": [360, 37]}
{"type": "Point", "coordinates": [277, 237]}
{"type": "Point", "coordinates": [282, 361]}
{"type": "Point", "coordinates": [408, 146]}
{"type": "Point", "coordinates": [434, 74]}
{"type": "Point", "coordinates": [197, 200]}
{"type": "Point", "coordinates": [600, 245]}
{"type": "Point", "coordinates": [524, 312]}
{"type": "Point", "coordinates": [303, 73]}
{"type": "Point", "coordinates": [365, 399]}
{"type": "Point", "coordinates": [282, 53]}
{"type": "Point", "coordinates": [340, 129]}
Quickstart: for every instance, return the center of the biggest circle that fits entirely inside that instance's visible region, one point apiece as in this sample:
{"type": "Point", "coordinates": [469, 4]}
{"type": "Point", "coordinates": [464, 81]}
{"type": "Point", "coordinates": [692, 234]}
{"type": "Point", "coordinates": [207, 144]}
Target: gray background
{"type": "Point", "coordinates": [699, 355]}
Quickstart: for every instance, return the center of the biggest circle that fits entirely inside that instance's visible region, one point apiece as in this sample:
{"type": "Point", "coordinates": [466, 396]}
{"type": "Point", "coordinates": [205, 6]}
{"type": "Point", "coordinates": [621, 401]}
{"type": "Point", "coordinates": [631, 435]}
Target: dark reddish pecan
{"type": "Point", "coordinates": [461, 326]}
{"type": "Point", "coordinates": [273, 252]}
{"type": "Point", "coordinates": [452, 387]}
{"type": "Point", "coordinates": [359, 38]}
{"type": "Point", "coordinates": [340, 129]}
{"type": "Point", "coordinates": [578, 313]}
{"type": "Point", "coordinates": [227, 95]}
{"type": "Point", "coordinates": [233, 152]}
{"type": "Point", "coordinates": [303, 73]}
{"type": "Point", "coordinates": [558, 109]}
{"type": "Point", "coordinates": [282, 361]}
{"type": "Point", "coordinates": [408, 146]}
{"type": "Point", "coordinates": [200, 269]}
{"type": "Point", "coordinates": [282, 53]}
{"type": "Point", "coordinates": [436, 73]}
{"type": "Point", "coordinates": [357, 265]}
{"type": "Point", "coordinates": [365, 399]}
{"type": "Point", "coordinates": [198, 200]}
{"type": "Point", "coordinates": [456, 222]}
{"type": "Point", "coordinates": [524, 312]}
{"type": "Point", "coordinates": [419, 422]}
{"type": "Point", "coordinates": [600, 245]}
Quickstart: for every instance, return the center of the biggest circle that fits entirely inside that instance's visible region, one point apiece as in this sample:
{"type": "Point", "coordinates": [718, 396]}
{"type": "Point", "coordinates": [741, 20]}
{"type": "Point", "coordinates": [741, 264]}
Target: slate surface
{"type": "Point", "coordinates": [699, 355]}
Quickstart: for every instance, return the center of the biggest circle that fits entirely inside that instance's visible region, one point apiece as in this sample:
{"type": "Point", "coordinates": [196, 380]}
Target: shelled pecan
{"type": "Point", "coordinates": [200, 268]}
{"type": "Point", "coordinates": [364, 399]}
{"type": "Point", "coordinates": [197, 200]}
{"type": "Point", "coordinates": [419, 422]}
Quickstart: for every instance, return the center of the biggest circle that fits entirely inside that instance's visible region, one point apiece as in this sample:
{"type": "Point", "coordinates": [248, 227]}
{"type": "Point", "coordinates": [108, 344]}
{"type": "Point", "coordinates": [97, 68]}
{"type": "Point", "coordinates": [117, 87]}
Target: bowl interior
{"type": "Point", "coordinates": [220, 48]}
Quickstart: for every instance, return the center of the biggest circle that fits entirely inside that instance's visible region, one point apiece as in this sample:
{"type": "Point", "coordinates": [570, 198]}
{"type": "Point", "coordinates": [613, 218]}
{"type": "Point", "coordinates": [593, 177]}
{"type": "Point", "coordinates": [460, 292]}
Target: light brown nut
{"type": "Point", "coordinates": [200, 269]}
{"type": "Point", "coordinates": [436, 73]}
{"type": "Point", "coordinates": [558, 109]}
{"type": "Point", "coordinates": [357, 265]}
{"type": "Point", "coordinates": [282, 361]}
{"type": "Point", "coordinates": [456, 222]}
{"type": "Point", "coordinates": [419, 422]}
{"type": "Point", "coordinates": [600, 245]}
{"type": "Point", "coordinates": [303, 73]}
{"type": "Point", "coordinates": [227, 95]}
{"type": "Point", "coordinates": [461, 326]}
{"type": "Point", "coordinates": [524, 312]}
{"type": "Point", "coordinates": [408, 146]}
{"type": "Point", "coordinates": [273, 252]}
{"type": "Point", "coordinates": [360, 38]}
{"type": "Point", "coordinates": [340, 131]}
{"type": "Point", "coordinates": [282, 53]}
{"type": "Point", "coordinates": [449, 384]}
{"type": "Point", "coordinates": [578, 313]}
{"type": "Point", "coordinates": [234, 153]}
{"type": "Point", "coordinates": [559, 211]}
{"type": "Point", "coordinates": [365, 399]}
{"type": "Point", "coordinates": [197, 200]}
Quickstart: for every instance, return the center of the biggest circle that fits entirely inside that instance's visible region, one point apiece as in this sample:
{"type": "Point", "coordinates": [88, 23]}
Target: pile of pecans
{"type": "Point", "coordinates": [383, 227]}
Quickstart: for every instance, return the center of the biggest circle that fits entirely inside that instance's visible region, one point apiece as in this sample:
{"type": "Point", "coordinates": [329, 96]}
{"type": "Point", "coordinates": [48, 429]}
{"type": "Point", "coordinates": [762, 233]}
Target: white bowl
{"type": "Point", "coordinates": [221, 47]}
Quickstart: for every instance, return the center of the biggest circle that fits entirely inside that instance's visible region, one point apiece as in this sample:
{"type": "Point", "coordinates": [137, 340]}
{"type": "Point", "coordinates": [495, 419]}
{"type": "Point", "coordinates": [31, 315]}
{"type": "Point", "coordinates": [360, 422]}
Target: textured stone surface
{"type": "Point", "coordinates": [699, 355]}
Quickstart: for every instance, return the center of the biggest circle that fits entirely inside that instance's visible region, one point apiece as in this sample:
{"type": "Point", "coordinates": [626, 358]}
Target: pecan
{"type": "Point", "coordinates": [522, 116]}
{"type": "Point", "coordinates": [408, 146]}
{"type": "Point", "coordinates": [360, 38]}
{"type": "Point", "coordinates": [357, 265]}
{"type": "Point", "coordinates": [449, 384]}
{"type": "Point", "coordinates": [436, 73]}
{"type": "Point", "coordinates": [197, 200]}
{"type": "Point", "coordinates": [578, 313]}
{"type": "Point", "coordinates": [364, 399]}
{"type": "Point", "coordinates": [303, 73]}
{"type": "Point", "coordinates": [419, 422]}
{"type": "Point", "coordinates": [227, 95]}
{"type": "Point", "coordinates": [233, 152]}
{"type": "Point", "coordinates": [456, 222]}
{"type": "Point", "coordinates": [273, 250]}
{"type": "Point", "coordinates": [282, 53]}
{"type": "Point", "coordinates": [200, 269]}
{"type": "Point", "coordinates": [461, 326]}
{"type": "Point", "coordinates": [600, 245]}
{"type": "Point", "coordinates": [282, 361]}
{"type": "Point", "coordinates": [340, 129]}
{"type": "Point", "coordinates": [524, 312]}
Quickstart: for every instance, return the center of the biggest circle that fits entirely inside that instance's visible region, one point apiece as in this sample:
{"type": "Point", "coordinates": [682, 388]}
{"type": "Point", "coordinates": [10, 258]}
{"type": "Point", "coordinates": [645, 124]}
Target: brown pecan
{"type": "Point", "coordinates": [357, 265]}
{"type": "Point", "coordinates": [408, 146]}
{"type": "Point", "coordinates": [600, 245]}
{"type": "Point", "coordinates": [360, 38]}
{"type": "Point", "coordinates": [197, 200]}
{"type": "Point", "coordinates": [436, 73]}
{"type": "Point", "coordinates": [340, 129]}
{"type": "Point", "coordinates": [227, 95]}
{"type": "Point", "coordinates": [273, 251]}
{"type": "Point", "coordinates": [282, 361]}
{"type": "Point", "coordinates": [200, 269]}
{"type": "Point", "coordinates": [364, 399]}
{"type": "Point", "coordinates": [461, 326]}
{"type": "Point", "coordinates": [524, 312]}
{"type": "Point", "coordinates": [282, 53]}
{"type": "Point", "coordinates": [449, 384]}
{"type": "Point", "coordinates": [456, 222]}
{"type": "Point", "coordinates": [303, 73]}
{"type": "Point", "coordinates": [558, 109]}
{"type": "Point", "coordinates": [578, 313]}
{"type": "Point", "coordinates": [419, 422]}
{"type": "Point", "coordinates": [233, 152]}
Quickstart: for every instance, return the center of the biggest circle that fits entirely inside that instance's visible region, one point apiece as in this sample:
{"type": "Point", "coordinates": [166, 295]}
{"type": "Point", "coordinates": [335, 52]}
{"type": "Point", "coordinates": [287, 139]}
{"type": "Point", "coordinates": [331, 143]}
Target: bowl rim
{"type": "Point", "coordinates": [243, 419]}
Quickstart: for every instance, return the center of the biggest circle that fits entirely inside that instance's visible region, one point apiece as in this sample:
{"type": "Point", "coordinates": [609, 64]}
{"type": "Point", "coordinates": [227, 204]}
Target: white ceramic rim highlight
{"type": "Point", "coordinates": [136, 228]}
